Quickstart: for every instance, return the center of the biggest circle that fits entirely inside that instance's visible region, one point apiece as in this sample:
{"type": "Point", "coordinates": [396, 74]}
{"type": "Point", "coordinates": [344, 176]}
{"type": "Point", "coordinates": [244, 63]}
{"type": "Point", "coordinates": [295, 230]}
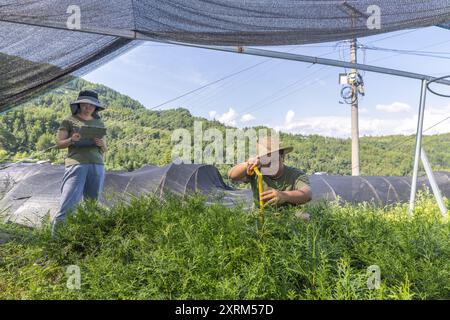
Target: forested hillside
{"type": "Point", "coordinates": [137, 136]}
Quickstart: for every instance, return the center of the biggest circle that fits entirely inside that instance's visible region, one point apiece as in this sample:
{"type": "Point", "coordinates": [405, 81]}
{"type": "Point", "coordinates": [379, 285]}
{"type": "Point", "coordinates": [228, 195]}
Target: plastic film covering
{"type": "Point", "coordinates": [378, 190]}
{"type": "Point", "coordinates": [30, 192]}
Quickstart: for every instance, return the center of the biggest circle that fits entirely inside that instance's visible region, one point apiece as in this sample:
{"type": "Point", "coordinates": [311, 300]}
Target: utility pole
{"type": "Point", "coordinates": [355, 125]}
{"type": "Point", "coordinates": [354, 14]}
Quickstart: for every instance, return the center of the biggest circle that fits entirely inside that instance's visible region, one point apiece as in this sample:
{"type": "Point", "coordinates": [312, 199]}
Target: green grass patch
{"type": "Point", "coordinates": [182, 249]}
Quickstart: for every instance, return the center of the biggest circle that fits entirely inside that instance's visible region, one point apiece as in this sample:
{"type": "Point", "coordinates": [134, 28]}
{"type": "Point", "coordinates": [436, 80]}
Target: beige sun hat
{"type": "Point", "coordinates": [266, 145]}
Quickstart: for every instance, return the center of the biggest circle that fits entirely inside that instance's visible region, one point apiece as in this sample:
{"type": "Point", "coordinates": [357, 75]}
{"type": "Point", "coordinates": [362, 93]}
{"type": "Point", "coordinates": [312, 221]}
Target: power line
{"type": "Point", "coordinates": [263, 102]}
{"type": "Point", "coordinates": [327, 75]}
{"type": "Point", "coordinates": [408, 52]}
{"type": "Point", "coordinates": [231, 84]}
{"type": "Point", "coordinates": [405, 50]}
{"type": "Point", "coordinates": [274, 94]}
{"type": "Point", "coordinates": [407, 139]}
{"type": "Point", "coordinates": [339, 43]}
{"type": "Point", "coordinates": [199, 100]}
{"type": "Point", "coordinates": [257, 104]}
{"type": "Point", "coordinates": [253, 66]}
{"type": "Point", "coordinates": [243, 70]}
{"type": "Point", "coordinates": [394, 35]}
{"type": "Point", "coordinates": [383, 58]}
{"type": "Point", "coordinates": [209, 84]}
{"type": "Point", "coordinates": [213, 82]}
{"type": "Point", "coordinates": [413, 136]}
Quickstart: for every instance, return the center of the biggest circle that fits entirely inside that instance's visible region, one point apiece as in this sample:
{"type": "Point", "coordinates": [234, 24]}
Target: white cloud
{"type": "Point", "coordinates": [363, 110]}
{"type": "Point", "coordinates": [227, 118]}
{"type": "Point", "coordinates": [320, 82]}
{"type": "Point", "coordinates": [440, 110]}
{"type": "Point", "coordinates": [194, 77]}
{"type": "Point", "coordinates": [337, 126]}
{"type": "Point", "coordinates": [212, 114]}
{"type": "Point", "coordinates": [289, 116]}
{"type": "Point", "coordinates": [329, 126]}
{"type": "Point", "coordinates": [230, 117]}
{"type": "Point", "coordinates": [247, 117]}
{"type": "Point", "coordinates": [393, 107]}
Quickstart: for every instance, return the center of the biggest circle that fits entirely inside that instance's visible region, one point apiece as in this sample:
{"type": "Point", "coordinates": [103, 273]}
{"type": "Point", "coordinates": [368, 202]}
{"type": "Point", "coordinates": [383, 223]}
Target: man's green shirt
{"type": "Point", "coordinates": [77, 155]}
{"type": "Point", "coordinates": [291, 179]}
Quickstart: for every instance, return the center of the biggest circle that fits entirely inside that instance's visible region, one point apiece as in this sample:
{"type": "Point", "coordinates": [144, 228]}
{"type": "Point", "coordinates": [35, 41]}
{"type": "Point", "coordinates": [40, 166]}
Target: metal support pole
{"type": "Point", "coordinates": [355, 126]}
{"type": "Point", "coordinates": [434, 185]}
{"type": "Point", "coordinates": [412, 196]}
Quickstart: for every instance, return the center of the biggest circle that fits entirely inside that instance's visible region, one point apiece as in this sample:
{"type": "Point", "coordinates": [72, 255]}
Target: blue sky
{"type": "Point", "coordinates": [290, 96]}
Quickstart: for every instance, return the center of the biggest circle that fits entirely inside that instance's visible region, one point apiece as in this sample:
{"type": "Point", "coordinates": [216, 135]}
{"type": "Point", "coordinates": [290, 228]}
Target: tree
{"type": "Point", "coordinates": [138, 136]}
{"type": "Point", "coordinates": [3, 155]}
{"type": "Point", "coordinates": [45, 141]}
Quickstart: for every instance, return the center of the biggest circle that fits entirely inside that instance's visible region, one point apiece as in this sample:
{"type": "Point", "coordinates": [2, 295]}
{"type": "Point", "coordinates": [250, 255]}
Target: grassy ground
{"type": "Point", "coordinates": [181, 249]}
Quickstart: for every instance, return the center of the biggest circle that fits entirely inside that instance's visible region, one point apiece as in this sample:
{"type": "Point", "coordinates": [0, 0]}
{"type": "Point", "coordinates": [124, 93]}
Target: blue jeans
{"type": "Point", "coordinates": [79, 180]}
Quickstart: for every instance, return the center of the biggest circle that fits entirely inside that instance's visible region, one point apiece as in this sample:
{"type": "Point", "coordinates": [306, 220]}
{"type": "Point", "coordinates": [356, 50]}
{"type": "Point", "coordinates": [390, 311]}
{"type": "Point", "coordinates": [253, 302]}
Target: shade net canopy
{"type": "Point", "coordinates": [39, 47]}
{"type": "Point", "coordinates": [29, 193]}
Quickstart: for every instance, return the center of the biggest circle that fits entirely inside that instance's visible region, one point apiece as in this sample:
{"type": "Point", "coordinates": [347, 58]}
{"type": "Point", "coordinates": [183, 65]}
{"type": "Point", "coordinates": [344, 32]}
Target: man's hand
{"type": "Point", "coordinates": [273, 197]}
{"type": "Point", "coordinates": [299, 196]}
{"type": "Point", "coordinates": [252, 163]}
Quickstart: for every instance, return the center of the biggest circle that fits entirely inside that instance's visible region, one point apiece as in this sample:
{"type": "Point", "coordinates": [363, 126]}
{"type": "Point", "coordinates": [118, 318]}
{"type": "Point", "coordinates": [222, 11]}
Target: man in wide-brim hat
{"type": "Point", "coordinates": [282, 184]}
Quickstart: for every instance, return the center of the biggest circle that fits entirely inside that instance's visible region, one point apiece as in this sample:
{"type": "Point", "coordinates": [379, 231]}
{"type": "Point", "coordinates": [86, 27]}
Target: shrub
{"type": "Point", "coordinates": [182, 249]}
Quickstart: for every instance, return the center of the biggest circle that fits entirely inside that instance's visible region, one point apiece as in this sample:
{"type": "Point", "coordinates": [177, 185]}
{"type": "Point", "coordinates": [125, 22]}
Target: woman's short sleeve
{"type": "Point", "coordinates": [65, 125]}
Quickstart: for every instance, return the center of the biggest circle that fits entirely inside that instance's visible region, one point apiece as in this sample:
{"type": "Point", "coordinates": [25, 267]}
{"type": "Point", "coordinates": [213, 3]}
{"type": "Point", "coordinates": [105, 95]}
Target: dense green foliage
{"type": "Point", "coordinates": [137, 136]}
{"type": "Point", "coordinates": [182, 249]}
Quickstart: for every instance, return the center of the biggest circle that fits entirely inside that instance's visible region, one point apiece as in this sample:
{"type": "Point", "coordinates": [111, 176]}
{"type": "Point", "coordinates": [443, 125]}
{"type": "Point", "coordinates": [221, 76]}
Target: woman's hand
{"type": "Point", "coordinates": [100, 143]}
{"type": "Point", "coordinates": [76, 136]}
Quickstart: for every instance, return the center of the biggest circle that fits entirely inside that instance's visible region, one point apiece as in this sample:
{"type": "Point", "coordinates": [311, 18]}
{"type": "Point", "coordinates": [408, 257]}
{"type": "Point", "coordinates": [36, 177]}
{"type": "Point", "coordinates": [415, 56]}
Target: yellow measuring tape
{"type": "Point", "coordinates": [259, 179]}
{"type": "Point", "coordinates": [260, 187]}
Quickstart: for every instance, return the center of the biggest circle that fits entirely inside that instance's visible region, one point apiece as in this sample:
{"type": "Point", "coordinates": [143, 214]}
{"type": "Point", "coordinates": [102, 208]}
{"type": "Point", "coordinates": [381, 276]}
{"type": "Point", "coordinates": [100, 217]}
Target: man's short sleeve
{"type": "Point", "coordinates": [248, 179]}
{"type": "Point", "coordinates": [65, 125]}
{"type": "Point", "coordinates": [302, 181]}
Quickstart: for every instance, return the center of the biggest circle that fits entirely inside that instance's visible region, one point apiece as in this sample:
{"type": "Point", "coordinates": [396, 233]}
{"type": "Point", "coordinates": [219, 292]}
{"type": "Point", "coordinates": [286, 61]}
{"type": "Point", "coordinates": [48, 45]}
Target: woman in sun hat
{"type": "Point", "coordinates": [84, 167]}
{"type": "Point", "coordinates": [282, 184]}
